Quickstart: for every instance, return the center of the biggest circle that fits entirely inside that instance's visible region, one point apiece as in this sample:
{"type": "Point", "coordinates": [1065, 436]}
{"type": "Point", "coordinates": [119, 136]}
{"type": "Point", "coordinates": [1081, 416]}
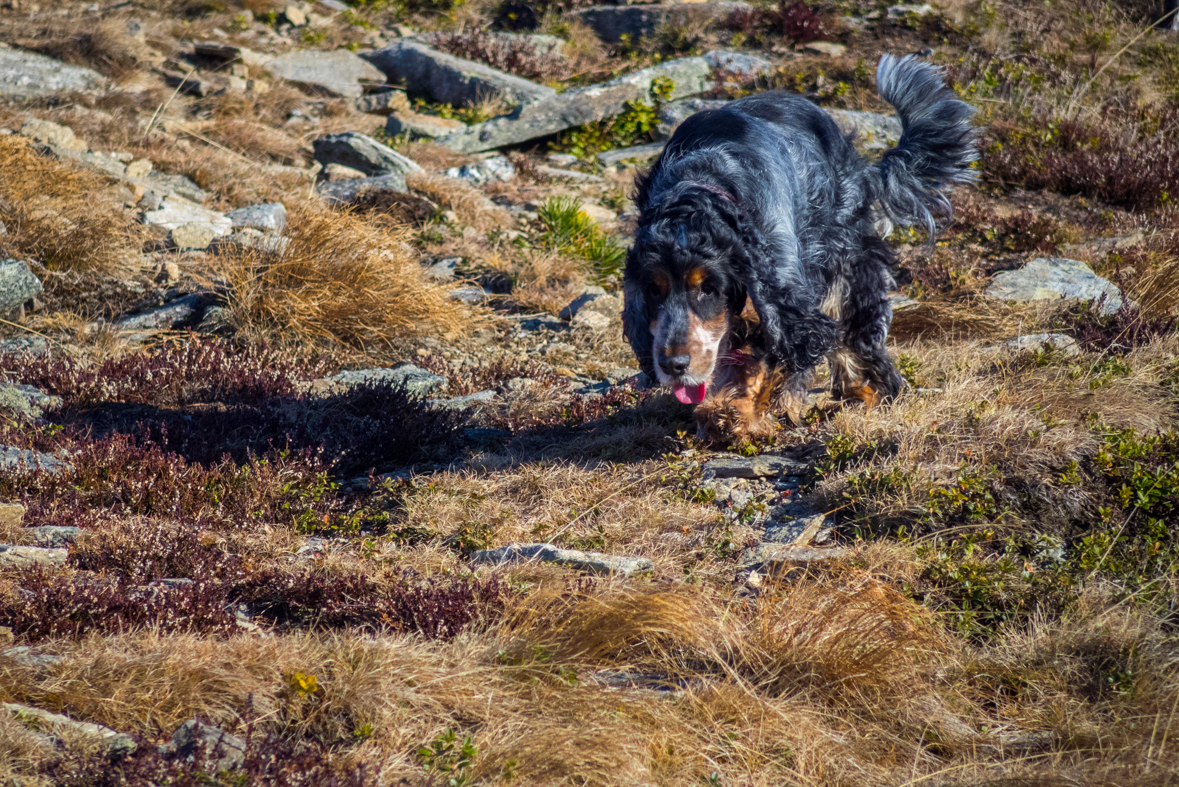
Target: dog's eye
{"type": "Point", "coordinates": [654, 293]}
{"type": "Point", "coordinates": [708, 288]}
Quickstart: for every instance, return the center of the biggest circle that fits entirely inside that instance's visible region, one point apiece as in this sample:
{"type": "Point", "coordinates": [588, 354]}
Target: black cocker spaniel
{"type": "Point", "coordinates": [759, 248]}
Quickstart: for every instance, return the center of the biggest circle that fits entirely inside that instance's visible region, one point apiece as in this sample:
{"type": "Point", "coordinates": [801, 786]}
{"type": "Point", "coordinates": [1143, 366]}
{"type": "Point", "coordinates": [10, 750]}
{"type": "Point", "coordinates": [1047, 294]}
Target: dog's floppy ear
{"type": "Point", "coordinates": [636, 322]}
{"type": "Point", "coordinates": [797, 334]}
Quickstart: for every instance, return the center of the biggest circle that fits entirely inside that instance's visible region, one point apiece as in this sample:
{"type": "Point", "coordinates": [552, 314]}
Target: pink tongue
{"type": "Point", "coordinates": [694, 395]}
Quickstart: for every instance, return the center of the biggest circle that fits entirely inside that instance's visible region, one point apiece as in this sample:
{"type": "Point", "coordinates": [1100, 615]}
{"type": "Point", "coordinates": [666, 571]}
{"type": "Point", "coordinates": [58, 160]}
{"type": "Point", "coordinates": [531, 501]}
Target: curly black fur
{"type": "Point", "coordinates": [766, 198]}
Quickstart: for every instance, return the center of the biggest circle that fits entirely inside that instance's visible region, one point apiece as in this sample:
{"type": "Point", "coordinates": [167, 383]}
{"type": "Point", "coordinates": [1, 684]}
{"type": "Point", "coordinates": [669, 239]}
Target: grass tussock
{"type": "Point", "coordinates": [340, 281]}
{"type": "Point", "coordinates": [60, 216]}
{"type": "Point", "coordinates": [469, 204]}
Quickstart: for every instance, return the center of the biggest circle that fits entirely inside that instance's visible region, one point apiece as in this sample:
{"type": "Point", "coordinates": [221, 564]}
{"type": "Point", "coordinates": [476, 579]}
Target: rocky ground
{"type": "Point", "coordinates": [323, 459]}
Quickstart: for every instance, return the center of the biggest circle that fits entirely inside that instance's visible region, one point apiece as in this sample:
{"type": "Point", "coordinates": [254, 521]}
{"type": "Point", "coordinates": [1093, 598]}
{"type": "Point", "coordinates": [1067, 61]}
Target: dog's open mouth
{"type": "Point", "coordinates": [689, 394]}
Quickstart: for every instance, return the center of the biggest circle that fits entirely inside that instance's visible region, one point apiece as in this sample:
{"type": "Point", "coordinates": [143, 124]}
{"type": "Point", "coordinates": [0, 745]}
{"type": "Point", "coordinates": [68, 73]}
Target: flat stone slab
{"type": "Point", "coordinates": [1039, 341]}
{"type": "Point", "coordinates": [590, 562]}
{"type": "Point", "coordinates": [419, 126]}
{"type": "Point", "coordinates": [464, 402]}
{"type": "Point", "coordinates": [17, 284]}
{"type": "Point", "coordinates": [799, 531]}
{"type": "Point", "coordinates": [25, 557]}
{"type": "Point", "coordinates": [448, 79]}
{"type": "Point", "coordinates": [175, 212]}
{"type": "Point", "coordinates": [765, 466]}
{"type": "Point", "coordinates": [117, 744]}
{"type": "Point", "coordinates": [336, 73]}
{"type": "Point", "coordinates": [54, 536]}
{"type": "Point", "coordinates": [1055, 278]}
{"type": "Point", "coordinates": [417, 381]}
{"type": "Point", "coordinates": [164, 318]}
{"type": "Point", "coordinates": [24, 458]}
{"type": "Point", "coordinates": [690, 76]}
{"type": "Point", "coordinates": [362, 153]}
{"type": "Point", "coordinates": [27, 74]}
{"type": "Point", "coordinates": [769, 557]}
{"type": "Point", "coordinates": [343, 192]}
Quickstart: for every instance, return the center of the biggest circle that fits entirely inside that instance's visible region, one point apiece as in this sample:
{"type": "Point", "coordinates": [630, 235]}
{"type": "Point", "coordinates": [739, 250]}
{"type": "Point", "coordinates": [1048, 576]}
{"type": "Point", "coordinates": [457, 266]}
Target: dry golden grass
{"type": "Point", "coordinates": [339, 281]}
{"type": "Point", "coordinates": [469, 204]}
{"type": "Point", "coordinates": [87, 39]}
{"type": "Point", "coordinates": [61, 216]}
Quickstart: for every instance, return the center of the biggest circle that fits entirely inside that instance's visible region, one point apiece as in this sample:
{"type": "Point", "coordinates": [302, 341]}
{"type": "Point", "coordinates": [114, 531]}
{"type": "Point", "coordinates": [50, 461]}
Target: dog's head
{"type": "Point", "coordinates": [682, 288]}
{"type": "Point", "coordinates": [697, 257]}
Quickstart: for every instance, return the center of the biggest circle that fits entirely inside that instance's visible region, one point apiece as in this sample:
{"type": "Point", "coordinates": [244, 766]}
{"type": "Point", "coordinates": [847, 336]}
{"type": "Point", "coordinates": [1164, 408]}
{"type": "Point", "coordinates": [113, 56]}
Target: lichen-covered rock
{"type": "Point", "coordinates": [17, 284]}
{"type": "Point", "coordinates": [1055, 278]}
{"type": "Point", "coordinates": [271, 217]}
{"type": "Point", "coordinates": [764, 466]}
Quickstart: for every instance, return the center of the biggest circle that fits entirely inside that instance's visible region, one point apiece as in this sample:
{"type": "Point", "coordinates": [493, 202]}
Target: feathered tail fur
{"type": "Point", "coordinates": [937, 146]}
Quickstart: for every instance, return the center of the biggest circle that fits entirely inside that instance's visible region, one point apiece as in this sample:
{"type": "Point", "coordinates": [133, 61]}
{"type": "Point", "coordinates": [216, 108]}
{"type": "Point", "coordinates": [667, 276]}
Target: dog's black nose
{"type": "Point", "coordinates": [675, 365]}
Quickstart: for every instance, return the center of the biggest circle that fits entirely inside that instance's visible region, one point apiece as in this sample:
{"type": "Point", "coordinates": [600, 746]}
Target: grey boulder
{"type": "Point", "coordinates": [448, 79]}
{"type": "Point", "coordinates": [741, 64]}
{"type": "Point", "coordinates": [271, 217]}
{"type": "Point", "coordinates": [220, 750]}
{"type": "Point", "coordinates": [764, 466]}
{"type": "Point", "coordinates": [1055, 278]}
{"type": "Point", "coordinates": [27, 75]}
{"type": "Point", "coordinates": [164, 318]}
{"type": "Point", "coordinates": [17, 284]}
{"type": "Point", "coordinates": [362, 153]}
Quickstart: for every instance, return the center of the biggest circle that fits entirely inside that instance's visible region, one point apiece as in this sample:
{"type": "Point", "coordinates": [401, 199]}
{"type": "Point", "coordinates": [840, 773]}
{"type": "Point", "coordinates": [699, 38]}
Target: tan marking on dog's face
{"type": "Point", "coordinates": [749, 311]}
{"type": "Point", "coordinates": [695, 278]}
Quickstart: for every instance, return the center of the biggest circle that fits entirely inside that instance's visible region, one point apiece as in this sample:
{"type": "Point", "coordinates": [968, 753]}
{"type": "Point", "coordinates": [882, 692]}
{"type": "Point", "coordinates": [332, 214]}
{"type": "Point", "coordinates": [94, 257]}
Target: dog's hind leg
{"type": "Point", "coordinates": [861, 367]}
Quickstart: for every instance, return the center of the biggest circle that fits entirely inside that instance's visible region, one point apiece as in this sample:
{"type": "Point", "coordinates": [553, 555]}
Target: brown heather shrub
{"type": "Point", "coordinates": [48, 606]}
{"type": "Point", "coordinates": [192, 370]}
{"type": "Point", "coordinates": [1128, 156]}
{"type": "Point", "coordinates": [60, 216]}
{"type": "Point", "coordinates": [437, 608]}
{"type": "Point", "coordinates": [340, 281]}
{"type": "Point", "coordinates": [516, 56]}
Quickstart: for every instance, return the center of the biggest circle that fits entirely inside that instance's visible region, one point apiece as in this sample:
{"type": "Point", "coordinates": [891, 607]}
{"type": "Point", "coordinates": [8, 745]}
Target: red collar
{"type": "Point", "coordinates": [717, 190]}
